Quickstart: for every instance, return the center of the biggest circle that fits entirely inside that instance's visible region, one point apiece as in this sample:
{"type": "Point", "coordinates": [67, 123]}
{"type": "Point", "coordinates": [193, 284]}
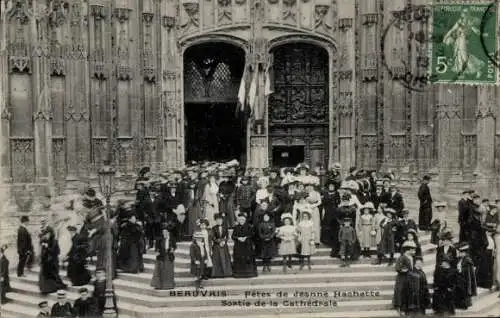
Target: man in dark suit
{"type": "Point", "coordinates": [464, 214]}
{"type": "Point", "coordinates": [24, 246]}
{"type": "Point", "coordinates": [425, 198]}
{"type": "Point", "coordinates": [395, 200]}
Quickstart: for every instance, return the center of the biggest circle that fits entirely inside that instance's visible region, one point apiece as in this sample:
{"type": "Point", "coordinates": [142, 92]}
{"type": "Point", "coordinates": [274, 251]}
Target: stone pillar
{"type": "Point", "coordinates": [171, 89]}
{"type": "Point", "coordinates": [41, 96]}
{"type": "Point", "coordinates": [257, 130]}
{"type": "Point", "coordinates": [486, 114]}
{"type": "Point", "coordinates": [449, 123]}
{"type": "Point", "coordinates": [4, 111]}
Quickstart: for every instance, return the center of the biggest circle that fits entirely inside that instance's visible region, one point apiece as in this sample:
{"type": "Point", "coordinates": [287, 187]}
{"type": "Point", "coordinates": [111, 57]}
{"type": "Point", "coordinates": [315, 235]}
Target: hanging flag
{"type": "Point", "coordinates": [242, 91]}
{"type": "Point", "coordinates": [252, 92]}
{"type": "Point", "coordinates": [269, 77]}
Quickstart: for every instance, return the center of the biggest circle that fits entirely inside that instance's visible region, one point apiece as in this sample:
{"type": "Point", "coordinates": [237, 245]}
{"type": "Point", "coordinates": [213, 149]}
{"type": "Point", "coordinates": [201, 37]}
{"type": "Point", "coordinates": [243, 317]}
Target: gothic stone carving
{"type": "Point", "coordinates": [58, 12]}
{"type": "Point", "coordinates": [168, 21]}
{"type": "Point", "coordinates": [289, 7]}
{"type": "Point", "coordinates": [122, 14]}
{"type": "Point", "coordinates": [20, 11]}
{"type": "Point", "coordinates": [192, 9]}
{"type": "Point", "coordinates": [320, 13]}
{"type": "Point", "coordinates": [225, 13]}
{"type": "Point", "coordinates": [345, 24]}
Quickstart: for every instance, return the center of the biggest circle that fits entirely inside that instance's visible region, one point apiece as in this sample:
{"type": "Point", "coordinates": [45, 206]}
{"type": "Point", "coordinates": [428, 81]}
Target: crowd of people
{"type": "Point", "coordinates": [277, 213]}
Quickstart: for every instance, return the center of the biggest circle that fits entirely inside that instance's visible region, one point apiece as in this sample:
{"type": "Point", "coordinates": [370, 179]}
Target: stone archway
{"type": "Point", "coordinates": [213, 127]}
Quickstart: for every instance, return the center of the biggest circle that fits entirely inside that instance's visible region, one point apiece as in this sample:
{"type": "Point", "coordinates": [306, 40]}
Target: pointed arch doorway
{"type": "Point", "coordinates": [214, 130]}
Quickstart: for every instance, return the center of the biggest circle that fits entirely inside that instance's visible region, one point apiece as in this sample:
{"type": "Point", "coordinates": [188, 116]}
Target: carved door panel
{"type": "Point", "coordinates": [298, 108]}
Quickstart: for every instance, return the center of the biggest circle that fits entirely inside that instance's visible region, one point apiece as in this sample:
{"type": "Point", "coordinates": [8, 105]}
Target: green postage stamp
{"type": "Point", "coordinates": [464, 45]}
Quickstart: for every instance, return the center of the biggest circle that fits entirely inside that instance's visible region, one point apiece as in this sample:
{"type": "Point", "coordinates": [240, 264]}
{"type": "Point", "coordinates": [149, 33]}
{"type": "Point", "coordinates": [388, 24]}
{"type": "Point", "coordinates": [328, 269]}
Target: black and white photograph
{"type": "Point", "coordinates": [249, 158]}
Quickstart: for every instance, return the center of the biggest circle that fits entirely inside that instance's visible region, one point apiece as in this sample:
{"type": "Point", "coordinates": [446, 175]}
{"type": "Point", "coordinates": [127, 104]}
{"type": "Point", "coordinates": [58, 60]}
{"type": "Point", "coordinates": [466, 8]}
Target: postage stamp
{"type": "Point", "coordinates": [463, 41]}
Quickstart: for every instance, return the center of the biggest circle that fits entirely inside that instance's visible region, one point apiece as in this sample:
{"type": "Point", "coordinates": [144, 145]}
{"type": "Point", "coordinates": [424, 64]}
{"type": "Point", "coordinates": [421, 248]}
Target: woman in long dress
{"type": "Point", "coordinates": [163, 275]}
{"type": "Point", "coordinates": [211, 200]}
{"type": "Point", "coordinates": [49, 280]}
{"type": "Point", "coordinates": [244, 264]}
{"type": "Point", "coordinates": [314, 201]}
{"type": "Point", "coordinates": [438, 223]}
{"type": "Point", "coordinates": [131, 246]}
{"type": "Point", "coordinates": [221, 258]}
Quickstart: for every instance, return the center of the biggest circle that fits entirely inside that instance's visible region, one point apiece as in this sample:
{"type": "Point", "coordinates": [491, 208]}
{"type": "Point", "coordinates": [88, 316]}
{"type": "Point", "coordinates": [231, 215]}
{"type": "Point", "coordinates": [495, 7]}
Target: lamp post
{"type": "Point", "coordinates": [106, 185]}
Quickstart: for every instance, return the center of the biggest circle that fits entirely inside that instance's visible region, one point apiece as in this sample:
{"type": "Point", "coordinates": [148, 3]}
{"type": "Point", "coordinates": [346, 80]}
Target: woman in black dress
{"type": "Point", "coordinates": [163, 275]}
{"type": "Point", "coordinates": [49, 280]}
{"type": "Point", "coordinates": [131, 246]}
{"type": "Point", "coordinates": [244, 264]}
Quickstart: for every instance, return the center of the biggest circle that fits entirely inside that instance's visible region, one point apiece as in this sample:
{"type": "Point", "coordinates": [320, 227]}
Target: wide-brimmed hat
{"type": "Point", "coordinates": [441, 204]}
{"type": "Point", "coordinates": [347, 219]}
{"type": "Point", "coordinates": [302, 212]}
{"type": "Point", "coordinates": [462, 246]}
{"type": "Point", "coordinates": [446, 236]}
{"type": "Point", "coordinates": [368, 205]}
{"type": "Point", "coordinates": [302, 166]}
{"type": "Point", "coordinates": [286, 216]}
{"type": "Point", "coordinates": [408, 245]}
{"type": "Point", "coordinates": [389, 210]}
{"type": "Point", "coordinates": [337, 166]}
{"type": "Point", "coordinates": [198, 235]}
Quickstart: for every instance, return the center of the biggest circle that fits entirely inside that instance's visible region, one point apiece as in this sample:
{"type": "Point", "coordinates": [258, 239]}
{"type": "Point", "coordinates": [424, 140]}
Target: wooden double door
{"type": "Point", "coordinates": [299, 106]}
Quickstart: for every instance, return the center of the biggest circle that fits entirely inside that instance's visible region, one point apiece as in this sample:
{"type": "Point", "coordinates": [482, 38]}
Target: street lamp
{"type": "Point", "coordinates": [106, 185]}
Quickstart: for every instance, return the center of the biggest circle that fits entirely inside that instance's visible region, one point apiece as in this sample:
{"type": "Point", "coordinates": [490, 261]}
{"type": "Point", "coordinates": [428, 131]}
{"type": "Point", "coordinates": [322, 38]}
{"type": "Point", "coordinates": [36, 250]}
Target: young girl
{"type": "Point", "coordinates": [438, 223]}
{"type": "Point", "coordinates": [365, 228]}
{"type": "Point", "coordinates": [299, 205]}
{"type": "Point", "coordinates": [387, 244]}
{"type": "Point", "coordinates": [199, 257]}
{"type": "Point", "coordinates": [288, 234]}
{"type": "Point", "coordinates": [306, 236]}
{"type": "Point", "coordinates": [267, 231]}
{"type": "Point", "coordinates": [163, 275]}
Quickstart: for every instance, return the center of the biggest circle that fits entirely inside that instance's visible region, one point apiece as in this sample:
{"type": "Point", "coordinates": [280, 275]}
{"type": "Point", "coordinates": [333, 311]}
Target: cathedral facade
{"type": "Point", "coordinates": [161, 83]}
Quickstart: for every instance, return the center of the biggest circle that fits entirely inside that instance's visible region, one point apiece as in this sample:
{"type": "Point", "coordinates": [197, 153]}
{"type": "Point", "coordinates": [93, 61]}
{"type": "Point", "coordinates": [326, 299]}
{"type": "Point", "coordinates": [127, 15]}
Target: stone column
{"type": "Point", "coordinates": [257, 130]}
{"type": "Point", "coordinates": [41, 96]}
{"type": "Point", "coordinates": [4, 111]}
{"type": "Point", "coordinates": [486, 114]}
{"type": "Point", "coordinates": [449, 123]}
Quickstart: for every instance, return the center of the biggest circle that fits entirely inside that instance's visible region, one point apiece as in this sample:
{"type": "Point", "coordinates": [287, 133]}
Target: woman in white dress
{"type": "Point", "coordinates": [314, 201]}
{"type": "Point", "coordinates": [210, 200]}
{"type": "Point", "coordinates": [262, 192]}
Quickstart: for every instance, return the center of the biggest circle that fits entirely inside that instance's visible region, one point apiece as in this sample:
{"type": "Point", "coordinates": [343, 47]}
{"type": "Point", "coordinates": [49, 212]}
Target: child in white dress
{"type": "Point", "coordinates": [306, 236]}
{"type": "Point", "coordinates": [364, 228]}
{"type": "Point", "coordinates": [288, 235]}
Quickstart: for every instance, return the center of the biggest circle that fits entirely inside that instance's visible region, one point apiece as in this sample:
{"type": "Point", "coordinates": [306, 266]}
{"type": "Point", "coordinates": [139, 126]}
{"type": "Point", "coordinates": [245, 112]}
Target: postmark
{"type": "Point", "coordinates": [412, 21]}
{"type": "Point", "coordinates": [462, 39]}
{"type": "Point", "coordinates": [490, 17]}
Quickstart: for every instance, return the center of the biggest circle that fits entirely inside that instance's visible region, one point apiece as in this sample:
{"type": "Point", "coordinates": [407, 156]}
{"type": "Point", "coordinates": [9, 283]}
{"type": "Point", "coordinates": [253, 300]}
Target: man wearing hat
{"type": "Point", "coordinates": [44, 310]}
{"type": "Point", "coordinates": [352, 174]}
{"type": "Point", "coordinates": [347, 239]}
{"type": "Point", "coordinates": [466, 278]}
{"type": "Point", "coordinates": [377, 196]}
{"type": "Point", "coordinates": [63, 307]}
{"type": "Point", "coordinates": [395, 199]}
{"type": "Point", "coordinates": [334, 176]}
{"type": "Point", "coordinates": [491, 218]}
{"type": "Point", "coordinates": [25, 248]}
{"type": "Point", "coordinates": [85, 306]}
{"type": "Point", "coordinates": [464, 213]}
{"type": "Point", "coordinates": [425, 198]}
{"type": "Point", "coordinates": [77, 272]}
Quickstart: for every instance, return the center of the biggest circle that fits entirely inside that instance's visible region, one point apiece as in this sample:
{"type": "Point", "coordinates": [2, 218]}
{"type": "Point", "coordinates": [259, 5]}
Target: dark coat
{"type": "Point", "coordinates": [403, 266]}
{"type": "Point", "coordinates": [330, 222]}
{"type": "Point", "coordinates": [402, 230]}
{"type": "Point", "coordinates": [143, 204]}
{"type": "Point", "coordinates": [267, 232]}
{"type": "Point", "coordinates": [61, 310]}
{"type": "Point", "coordinates": [24, 242]}
{"type": "Point", "coordinates": [131, 247]}
{"type": "Point", "coordinates": [77, 259]}
{"type": "Point", "coordinates": [163, 274]}
{"type": "Point", "coordinates": [396, 202]}
{"type": "Point", "coordinates": [451, 254]}
{"type": "Point", "coordinates": [4, 276]}
{"type": "Point", "coordinates": [243, 252]}
{"type": "Point", "coordinates": [198, 266]}
{"type": "Point", "coordinates": [466, 283]}
{"type": "Point", "coordinates": [425, 211]}
{"type": "Point", "coordinates": [443, 299]}
{"type": "Point", "coordinates": [85, 308]}
{"type": "Point", "coordinates": [221, 258]}
{"type": "Point", "coordinates": [387, 243]}
{"type": "Point", "coordinates": [377, 198]}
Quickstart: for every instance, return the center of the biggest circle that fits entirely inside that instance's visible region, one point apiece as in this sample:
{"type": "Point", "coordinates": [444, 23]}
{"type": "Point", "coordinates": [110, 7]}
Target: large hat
{"type": "Point", "coordinates": [411, 230]}
{"type": "Point", "coordinates": [468, 191]}
{"type": "Point", "coordinates": [347, 219]}
{"type": "Point", "coordinates": [71, 228]}
{"type": "Point", "coordinates": [352, 185]}
{"type": "Point", "coordinates": [463, 246]}
{"type": "Point", "coordinates": [198, 235]}
{"type": "Point", "coordinates": [493, 206]}
{"type": "Point", "coordinates": [409, 245]}
{"type": "Point", "coordinates": [446, 236]}
{"type": "Point", "coordinates": [286, 216]}
{"type": "Point", "coordinates": [389, 210]}
{"type": "Point", "coordinates": [379, 183]}
{"type": "Point", "coordinates": [337, 166]}
{"type": "Point", "coordinates": [405, 211]}
{"type": "Point", "coordinates": [61, 293]}
{"type": "Point", "coordinates": [24, 219]}
{"type": "Point", "coordinates": [302, 166]}
{"type": "Point", "coordinates": [368, 205]}
{"type": "Point", "coordinates": [440, 204]}
{"type": "Point", "coordinates": [305, 211]}
{"type": "Point", "coordinates": [476, 196]}
{"type": "Point", "coordinates": [43, 304]}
